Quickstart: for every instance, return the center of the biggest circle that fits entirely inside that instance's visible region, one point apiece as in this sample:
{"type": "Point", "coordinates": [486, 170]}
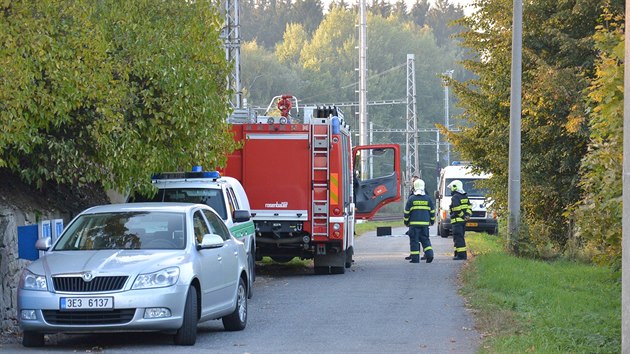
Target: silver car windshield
{"type": "Point", "coordinates": [124, 231]}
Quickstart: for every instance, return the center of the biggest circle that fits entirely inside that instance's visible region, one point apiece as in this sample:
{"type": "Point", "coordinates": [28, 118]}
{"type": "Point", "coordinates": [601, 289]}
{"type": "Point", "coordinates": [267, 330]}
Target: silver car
{"type": "Point", "coordinates": [136, 267]}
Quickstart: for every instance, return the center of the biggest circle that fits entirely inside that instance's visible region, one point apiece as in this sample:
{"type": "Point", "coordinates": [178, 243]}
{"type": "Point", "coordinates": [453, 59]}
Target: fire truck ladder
{"type": "Point", "coordinates": [320, 175]}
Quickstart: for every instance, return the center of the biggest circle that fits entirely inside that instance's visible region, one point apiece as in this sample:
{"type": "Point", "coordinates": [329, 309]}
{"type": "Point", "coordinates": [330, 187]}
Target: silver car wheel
{"type": "Point", "coordinates": [237, 320]}
{"type": "Point", "coordinates": [242, 303]}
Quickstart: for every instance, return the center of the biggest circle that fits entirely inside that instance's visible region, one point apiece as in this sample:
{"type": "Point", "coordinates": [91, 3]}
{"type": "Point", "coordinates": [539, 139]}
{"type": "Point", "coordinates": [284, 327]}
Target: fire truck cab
{"type": "Point", "coordinates": [307, 185]}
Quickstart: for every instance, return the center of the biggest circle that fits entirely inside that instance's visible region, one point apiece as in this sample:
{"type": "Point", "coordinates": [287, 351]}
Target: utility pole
{"type": "Point", "coordinates": [412, 124]}
{"type": "Point", "coordinates": [514, 175]}
{"type": "Point", "coordinates": [447, 124]}
{"type": "Point", "coordinates": [625, 240]}
{"type": "Point", "coordinates": [232, 43]}
{"type": "Point", "coordinates": [363, 119]}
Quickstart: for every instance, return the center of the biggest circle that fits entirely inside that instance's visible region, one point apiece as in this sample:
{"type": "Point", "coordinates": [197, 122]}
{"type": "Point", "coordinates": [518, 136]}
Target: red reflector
{"type": "Point", "coordinates": [336, 211]}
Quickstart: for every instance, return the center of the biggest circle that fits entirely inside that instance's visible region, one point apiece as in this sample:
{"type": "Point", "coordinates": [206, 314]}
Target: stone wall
{"type": "Point", "coordinates": [21, 205]}
{"type": "Point", "coordinates": [10, 264]}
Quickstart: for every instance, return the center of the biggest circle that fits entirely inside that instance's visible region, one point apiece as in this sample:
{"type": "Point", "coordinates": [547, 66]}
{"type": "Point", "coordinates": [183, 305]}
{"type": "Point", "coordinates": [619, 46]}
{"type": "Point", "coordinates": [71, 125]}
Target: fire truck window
{"type": "Point", "coordinates": [374, 163]}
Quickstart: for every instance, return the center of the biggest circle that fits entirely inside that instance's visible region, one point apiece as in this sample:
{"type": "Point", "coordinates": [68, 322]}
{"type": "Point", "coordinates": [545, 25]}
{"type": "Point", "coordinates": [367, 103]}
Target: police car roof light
{"type": "Point", "coordinates": [459, 163]}
{"type": "Point", "coordinates": [203, 174]}
{"type": "Point", "coordinates": [197, 168]}
{"type": "Point", "coordinates": [179, 175]}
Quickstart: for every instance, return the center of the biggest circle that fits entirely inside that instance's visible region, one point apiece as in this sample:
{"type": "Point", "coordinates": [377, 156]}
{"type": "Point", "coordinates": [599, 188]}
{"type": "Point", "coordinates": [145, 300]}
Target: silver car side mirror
{"type": "Point", "coordinates": [211, 241]}
{"type": "Point", "coordinates": [43, 244]}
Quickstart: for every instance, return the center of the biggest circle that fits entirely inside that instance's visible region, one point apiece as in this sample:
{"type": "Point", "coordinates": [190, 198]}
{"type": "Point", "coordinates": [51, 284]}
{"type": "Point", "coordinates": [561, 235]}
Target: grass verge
{"type": "Point", "coordinates": [361, 228]}
{"type": "Point", "coordinates": [530, 306]}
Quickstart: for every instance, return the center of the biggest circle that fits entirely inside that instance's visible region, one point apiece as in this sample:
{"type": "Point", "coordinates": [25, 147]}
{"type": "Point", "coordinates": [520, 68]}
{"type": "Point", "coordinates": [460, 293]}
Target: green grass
{"type": "Point", "coordinates": [523, 305]}
{"type": "Point", "coordinates": [361, 228]}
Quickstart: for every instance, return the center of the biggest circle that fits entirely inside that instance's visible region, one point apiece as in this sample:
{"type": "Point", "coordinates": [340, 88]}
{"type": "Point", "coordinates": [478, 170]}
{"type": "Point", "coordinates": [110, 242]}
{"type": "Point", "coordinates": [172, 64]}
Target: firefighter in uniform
{"type": "Point", "coordinates": [413, 179]}
{"type": "Point", "coordinates": [419, 214]}
{"type": "Point", "coordinates": [461, 211]}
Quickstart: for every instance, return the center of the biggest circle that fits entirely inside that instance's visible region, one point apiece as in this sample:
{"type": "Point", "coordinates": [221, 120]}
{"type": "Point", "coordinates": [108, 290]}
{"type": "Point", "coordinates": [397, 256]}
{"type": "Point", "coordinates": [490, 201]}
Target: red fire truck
{"type": "Point", "coordinates": [307, 185]}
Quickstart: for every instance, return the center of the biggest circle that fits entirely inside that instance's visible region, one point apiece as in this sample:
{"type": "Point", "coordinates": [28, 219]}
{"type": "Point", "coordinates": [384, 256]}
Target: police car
{"type": "Point", "coordinates": [223, 194]}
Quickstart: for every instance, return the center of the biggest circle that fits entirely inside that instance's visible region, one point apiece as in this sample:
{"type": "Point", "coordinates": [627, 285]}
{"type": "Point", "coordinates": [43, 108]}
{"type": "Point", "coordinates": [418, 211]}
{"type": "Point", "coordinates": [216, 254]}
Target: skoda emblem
{"type": "Point", "coordinates": [87, 277]}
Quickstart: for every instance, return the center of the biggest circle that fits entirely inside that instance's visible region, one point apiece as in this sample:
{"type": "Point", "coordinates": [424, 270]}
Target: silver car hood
{"type": "Point", "coordinates": [112, 262]}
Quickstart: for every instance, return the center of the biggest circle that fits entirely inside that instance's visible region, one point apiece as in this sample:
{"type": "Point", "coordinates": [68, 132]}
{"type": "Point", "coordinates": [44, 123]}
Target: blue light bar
{"type": "Point", "coordinates": [203, 174]}
{"type": "Point", "coordinates": [459, 163]}
{"type": "Point", "coordinates": [179, 175]}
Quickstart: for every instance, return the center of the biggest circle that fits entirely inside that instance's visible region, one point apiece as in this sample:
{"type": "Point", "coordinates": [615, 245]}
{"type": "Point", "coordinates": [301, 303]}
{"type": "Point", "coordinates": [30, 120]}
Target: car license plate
{"type": "Point", "coordinates": [472, 224]}
{"type": "Point", "coordinates": [86, 303]}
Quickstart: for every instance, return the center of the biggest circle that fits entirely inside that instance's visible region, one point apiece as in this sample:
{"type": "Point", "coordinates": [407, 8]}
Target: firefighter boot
{"type": "Point", "coordinates": [461, 256]}
{"type": "Point", "coordinates": [428, 255]}
{"type": "Point", "coordinates": [415, 258]}
{"type": "Point", "coordinates": [408, 258]}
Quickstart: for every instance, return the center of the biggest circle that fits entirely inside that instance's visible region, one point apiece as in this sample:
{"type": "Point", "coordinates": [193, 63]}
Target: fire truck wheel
{"type": "Point", "coordinates": [282, 259]}
{"type": "Point", "coordinates": [321, 270]}
{"type": "Point", "coordinates": [337, 270]}
{"type": "Point", "coordinates": [349, 261]}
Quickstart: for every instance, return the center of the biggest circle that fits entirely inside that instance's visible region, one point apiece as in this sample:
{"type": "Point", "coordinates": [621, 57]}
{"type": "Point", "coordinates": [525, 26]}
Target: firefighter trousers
{"type": "Point", "coordinates": [458, 238]}
{"type": "Point", "coordinates": [419, 235]}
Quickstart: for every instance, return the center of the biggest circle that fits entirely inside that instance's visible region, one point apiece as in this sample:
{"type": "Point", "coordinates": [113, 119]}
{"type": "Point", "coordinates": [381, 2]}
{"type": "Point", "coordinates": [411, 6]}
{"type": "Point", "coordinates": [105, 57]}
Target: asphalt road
{"type": "Point", "coordinates": [383, 304]}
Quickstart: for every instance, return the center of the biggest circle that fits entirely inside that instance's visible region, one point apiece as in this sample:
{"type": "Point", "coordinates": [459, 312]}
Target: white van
{"type": "Point", "coordinates": [482, 220]}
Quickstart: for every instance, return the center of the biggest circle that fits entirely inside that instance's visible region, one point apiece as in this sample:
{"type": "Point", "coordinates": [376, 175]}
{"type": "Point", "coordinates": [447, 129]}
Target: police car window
{"type": "Point", "coordinates": [210, 197]}
{"type": "Point", "coordinates": [158, 197]}
{"type": "Point", "coordinates": [233, 201]}
{"type": "Point", "coordinates": [217, 225]}
{"type": "Point", "coordinates": [200, 226]}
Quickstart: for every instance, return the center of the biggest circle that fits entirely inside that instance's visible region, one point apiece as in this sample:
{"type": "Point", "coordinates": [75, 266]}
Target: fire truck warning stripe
{"type": "Point", "coordinates": [334, 188]}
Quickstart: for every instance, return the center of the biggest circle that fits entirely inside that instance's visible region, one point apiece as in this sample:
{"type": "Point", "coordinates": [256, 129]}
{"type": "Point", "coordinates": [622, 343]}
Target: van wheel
{"type": "Point", "coordinates": [442, 231]}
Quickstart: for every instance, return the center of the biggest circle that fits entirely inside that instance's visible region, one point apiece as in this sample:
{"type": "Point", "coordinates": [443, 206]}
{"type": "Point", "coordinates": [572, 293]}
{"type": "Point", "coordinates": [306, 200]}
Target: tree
{"type": "Point", "coordinates": [328, 60]}
{"type": "Point", "coordinates": [419, 12]}
{"type": "Point", "coordinates": [294, 39]}
{"type": "Point", "coordinates": [307, 13]}
{"type": "Point", "coordinates": [399, 10]}
{"type": "Point", "coordinates": [110, 92]}
{"type": "Point", "coordinates": [265, 77]}
{"type": "Point", "coordinates": [598, 216]}
{"type": "Point", "coordinates": [557, 54]}
{"type": "Point", "coordinates": [440, 18]}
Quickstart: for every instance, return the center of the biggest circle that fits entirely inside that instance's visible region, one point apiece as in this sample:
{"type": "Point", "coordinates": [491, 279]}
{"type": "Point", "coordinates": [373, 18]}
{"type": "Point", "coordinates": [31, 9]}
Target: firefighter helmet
{"type": "Point", "coordinates": [456, 186]}
{"type": "Point", "coordinates": [418, 187]}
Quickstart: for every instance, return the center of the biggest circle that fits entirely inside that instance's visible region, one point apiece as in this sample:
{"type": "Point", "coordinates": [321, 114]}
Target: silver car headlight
{"type": "Point", "coordinates": [32, 281]}
{"type": "Point", "coordinates": [159, 279]}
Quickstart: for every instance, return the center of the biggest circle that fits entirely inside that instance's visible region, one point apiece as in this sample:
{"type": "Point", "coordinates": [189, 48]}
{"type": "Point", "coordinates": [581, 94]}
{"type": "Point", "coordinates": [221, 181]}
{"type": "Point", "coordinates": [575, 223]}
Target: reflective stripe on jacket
{"type": "Point", "coordinates": [419, 211]}
{"type": "Point", "coordinates": [460, 207]}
